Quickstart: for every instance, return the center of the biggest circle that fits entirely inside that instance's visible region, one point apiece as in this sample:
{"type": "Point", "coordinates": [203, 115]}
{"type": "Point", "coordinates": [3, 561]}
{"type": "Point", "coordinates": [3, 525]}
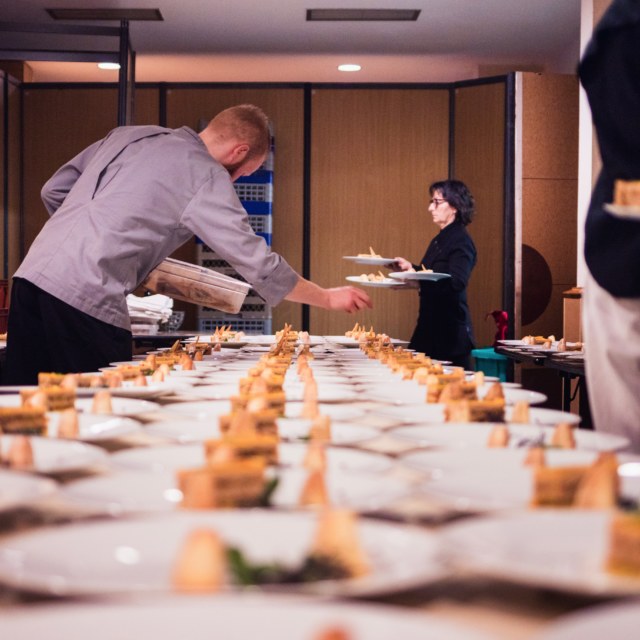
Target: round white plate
{"type": "Point", "coordinates": [288, 429]}
{"type": "Point", "coordinates": [51, 455]}
{"type": "Point", "coordinates": [618, 621]}
{"type": "Point", "coordinates": [96, 427]}
{"type": "Point", "coordinates": [554, 548]}
{"type": "Point", "coordinates": [209, 410]}
{"type": "Point", "coordinates": [495, 479]}
{"type": "Point", "coordinates": [475, 435]}
{"type": "Point", "coordinates": [541, 415]}
{"type": "Point", "coordinates": [326, 393]}
{"type": "Point", "coordinates": [369, 260]}
{"type": "Point", "coordinates": [513, 395]}
{"type": "Point", "coordinates": [20, 489]}
{"type": "Point", "coordinates": [418, 275]}
{"type": "Point", "coordinates": [345, 412]}
{"type": "Point", "coordinates": [414, 413]}
{"type": "Point", "coordinates": [273, 617]}
{"type": "Point", "coordinates": [387, 282]}
{"type": "Point", "coordinates": [626, 212]}
{"type": "Point", "coordinates": [121, 406]}
{"type": "Point", "coordinates": [174, 457]}
{"type": "Point", "coordinates": [138, 555]}
{"type": "Point", "coordinates": [128, 492]}
{"type": "Point", "coordinates": [207, 392]}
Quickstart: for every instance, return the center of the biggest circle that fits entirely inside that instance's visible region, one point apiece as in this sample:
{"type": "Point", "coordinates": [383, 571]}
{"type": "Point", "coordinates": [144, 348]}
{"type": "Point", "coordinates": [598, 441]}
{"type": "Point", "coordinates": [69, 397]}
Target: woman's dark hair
{"type": "Point", "coordinates": [458, 196]}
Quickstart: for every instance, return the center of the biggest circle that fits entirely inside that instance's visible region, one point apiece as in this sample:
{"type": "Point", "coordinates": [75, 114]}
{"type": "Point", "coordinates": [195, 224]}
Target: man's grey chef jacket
{"type": "Point", "coordinates": [127, 202]}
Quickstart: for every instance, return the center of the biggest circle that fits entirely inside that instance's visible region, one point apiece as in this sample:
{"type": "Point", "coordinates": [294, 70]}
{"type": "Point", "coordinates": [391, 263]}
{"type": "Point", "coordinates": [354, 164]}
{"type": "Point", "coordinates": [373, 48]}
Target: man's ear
{"type": "Point", "coordinates": [238, 153]}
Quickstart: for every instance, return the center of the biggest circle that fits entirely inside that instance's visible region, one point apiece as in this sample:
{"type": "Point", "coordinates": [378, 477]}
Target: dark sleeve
{"type": "Point", "coordinates": [462, 259]}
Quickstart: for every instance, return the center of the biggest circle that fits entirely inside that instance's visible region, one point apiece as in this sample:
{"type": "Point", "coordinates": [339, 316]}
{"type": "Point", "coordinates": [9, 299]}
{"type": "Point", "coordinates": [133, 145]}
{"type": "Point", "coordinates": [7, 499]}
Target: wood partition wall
{"type": "Point", "coordinates": [373, 156]}
{"type": "Point", "coordinates": [10, 162]}
{"type": "Point", "coordinates": [188, 106]}
{"type": "Point", "coordinates": [479, 161]}
{"type": "Point", "coordinates": [373, 153]}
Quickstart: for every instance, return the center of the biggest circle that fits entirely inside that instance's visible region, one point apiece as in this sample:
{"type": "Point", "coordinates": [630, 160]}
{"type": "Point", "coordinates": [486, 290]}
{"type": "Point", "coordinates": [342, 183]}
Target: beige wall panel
{"type": "Point", "coordinates": [374, 153]}
{"type": "Point", "coordinates": [58, 124]}
{"type": "Point", "coordinates": [479, 163]}
{"type": "Point", "coordinates": [549, 224]}
{"type": "Point", "coordinates": [285, 109]}
{"type": "Point", "coordinates": [550, 126]}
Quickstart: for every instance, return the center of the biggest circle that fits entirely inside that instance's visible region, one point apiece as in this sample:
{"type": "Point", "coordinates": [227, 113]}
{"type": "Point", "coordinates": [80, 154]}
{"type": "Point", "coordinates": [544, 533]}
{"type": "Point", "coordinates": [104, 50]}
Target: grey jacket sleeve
{"type": "Point", "coordinates": [55, 190]}
{"type": "Point", "coordinates": [216, 216]}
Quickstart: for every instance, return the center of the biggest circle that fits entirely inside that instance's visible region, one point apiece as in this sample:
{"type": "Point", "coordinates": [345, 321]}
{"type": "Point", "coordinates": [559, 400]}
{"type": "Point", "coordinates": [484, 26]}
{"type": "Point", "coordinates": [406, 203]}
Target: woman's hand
{"type": "Point", "coordinates": [400, 264]}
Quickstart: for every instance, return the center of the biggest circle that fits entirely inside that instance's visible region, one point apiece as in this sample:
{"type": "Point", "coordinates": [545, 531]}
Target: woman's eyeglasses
{"type": "Point", "coordinates": [437, 201]}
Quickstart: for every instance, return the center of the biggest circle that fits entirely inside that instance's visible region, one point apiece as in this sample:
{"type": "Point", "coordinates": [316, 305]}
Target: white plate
{"type": "Point", "coordinates": [288, 429]}
{"type": "Point", "coordinates": [174, 457]}
{"type": "Point", "coordinates": [619, 621]}
{"type": "Point", "coordinates": [475, 435]}
{"type": "Point", "coordinates": [121, 406]}
{"type": "Point", "coordinates": [20, 489]}
{"type": "Point", "coordinates": [541, 415]}
{"type": "Point", "coordinates": [434, 412]}
{"type": "Point", "coordinates": [326, 392]}
{"type": "Point", "coordinates": [273, 617]}
{"type": "Point", "coordinates": [369, 260]}
{"type": "Point", "coordinates": [387, 282]}
{"type": "Point", "coordinates": [345, 412]}
{"type": "Point", "coordinates": [138, 555]}
{"type": "Point", "coordinates": [560, 549]}
{"type": "Point", "coordinates": [56, 456]}
{"type": "Point", "coordinates": [418, 275]}
{"type": "Point", "coordinates": [511, 343]}
{"type": "Point", "coordinates": [627, 212]}
{"type": "Point", "coordinates": [414, 413]}
{"type": "Point", "coordinates": [209, 410]}
{"type": "Point", "coordinates": [128, 492]}
{"type": "Point", "coordinates": [95, 427]}
{"type": "Point", "coordinates": [513, 395]}
{"type": "Point", "coordinates": [496, 479]}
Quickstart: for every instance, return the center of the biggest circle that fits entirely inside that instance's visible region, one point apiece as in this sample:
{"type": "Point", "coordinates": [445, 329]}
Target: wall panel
{"type": "Point", "coordinates": [190, 106]}
{"type": "Point", "coordinates": [479, 161]}
{"type": "Point", "coordinates": [374, 153]}
{"type": "Point", "coordinates": [549, 192]}
{"type": "Point", "coordinates": [58, 124]}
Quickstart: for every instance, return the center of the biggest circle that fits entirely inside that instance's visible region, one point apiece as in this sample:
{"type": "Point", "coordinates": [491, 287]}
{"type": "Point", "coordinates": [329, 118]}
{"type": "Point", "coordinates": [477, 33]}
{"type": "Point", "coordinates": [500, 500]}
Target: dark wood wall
{"type": "Point", "coordinates": [373, 153]}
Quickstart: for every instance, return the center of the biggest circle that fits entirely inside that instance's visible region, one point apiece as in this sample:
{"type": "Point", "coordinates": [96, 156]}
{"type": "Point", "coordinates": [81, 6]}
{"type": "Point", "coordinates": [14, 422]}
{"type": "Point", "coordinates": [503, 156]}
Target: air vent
{"type": "Point", "coordinates": [105, 14]}
{"type": "Point", "coordinates": [362, 15]}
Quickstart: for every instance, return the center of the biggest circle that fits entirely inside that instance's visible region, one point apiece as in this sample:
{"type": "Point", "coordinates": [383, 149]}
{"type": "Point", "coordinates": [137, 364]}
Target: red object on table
{"type": "Point", "coordinates": [502, 323]}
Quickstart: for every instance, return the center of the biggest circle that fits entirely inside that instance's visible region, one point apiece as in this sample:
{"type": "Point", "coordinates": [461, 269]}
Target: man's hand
{"type": "Point", "coordinates": [349, 299]}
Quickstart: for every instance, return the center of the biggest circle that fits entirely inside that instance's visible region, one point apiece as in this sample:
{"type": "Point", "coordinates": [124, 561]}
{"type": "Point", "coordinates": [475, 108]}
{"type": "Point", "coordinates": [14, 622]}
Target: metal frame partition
{"type": "Point", "coordinates": [123, 55]}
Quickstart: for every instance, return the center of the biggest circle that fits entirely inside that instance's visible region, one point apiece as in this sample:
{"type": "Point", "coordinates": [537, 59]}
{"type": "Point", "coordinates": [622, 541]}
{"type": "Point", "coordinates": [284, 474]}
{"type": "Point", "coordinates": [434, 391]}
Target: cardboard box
{"type": "Point", "coordinates": [572, 315]}
{"type": "Point", "coordinates": [198, 285]}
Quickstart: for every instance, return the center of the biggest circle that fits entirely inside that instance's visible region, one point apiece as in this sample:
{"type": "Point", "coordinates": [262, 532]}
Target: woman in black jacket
{"type": "Point", "coordinates": [443, 330]}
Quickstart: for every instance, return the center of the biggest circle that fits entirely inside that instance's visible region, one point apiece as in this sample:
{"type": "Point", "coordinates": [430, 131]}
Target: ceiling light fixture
{"type": "Point", "coordinates": [105, 14]}
{"type": "Point", "coordinates": [349, 67]}
{"type": "Point", "coordinates": [362, 15]}
{"type": "Point", "coordinates": [108, 66]}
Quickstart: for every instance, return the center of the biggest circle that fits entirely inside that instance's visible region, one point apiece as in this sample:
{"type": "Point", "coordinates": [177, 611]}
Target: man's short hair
{"type": "Point", "coordinates": [246, 123]}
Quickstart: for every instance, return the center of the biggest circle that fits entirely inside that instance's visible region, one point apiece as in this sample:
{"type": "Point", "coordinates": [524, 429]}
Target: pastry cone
{"type": "Point", "coordinates": [200, 565]}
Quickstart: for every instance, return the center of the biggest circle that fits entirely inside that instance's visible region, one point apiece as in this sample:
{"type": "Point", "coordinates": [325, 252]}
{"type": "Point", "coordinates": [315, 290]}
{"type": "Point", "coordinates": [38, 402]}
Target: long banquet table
{"type": "Point", "coordinates": [476, 603]}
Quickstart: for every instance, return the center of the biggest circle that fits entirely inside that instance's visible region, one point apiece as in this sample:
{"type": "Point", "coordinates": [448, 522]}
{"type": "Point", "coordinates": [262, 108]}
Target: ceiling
{"type": "Point", "coordinates": [271, 41]}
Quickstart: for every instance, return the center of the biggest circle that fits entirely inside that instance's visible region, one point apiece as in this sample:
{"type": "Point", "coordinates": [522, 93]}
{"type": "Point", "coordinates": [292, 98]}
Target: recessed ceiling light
{"type": "Point", "coordinates": [349, 67]}
{"type": "Point", "coordinates": [108, 65]}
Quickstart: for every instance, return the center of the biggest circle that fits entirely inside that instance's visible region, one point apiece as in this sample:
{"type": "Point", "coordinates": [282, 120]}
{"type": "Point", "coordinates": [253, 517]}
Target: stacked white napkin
{"type": "Point", "coordinates": [156, 308]}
